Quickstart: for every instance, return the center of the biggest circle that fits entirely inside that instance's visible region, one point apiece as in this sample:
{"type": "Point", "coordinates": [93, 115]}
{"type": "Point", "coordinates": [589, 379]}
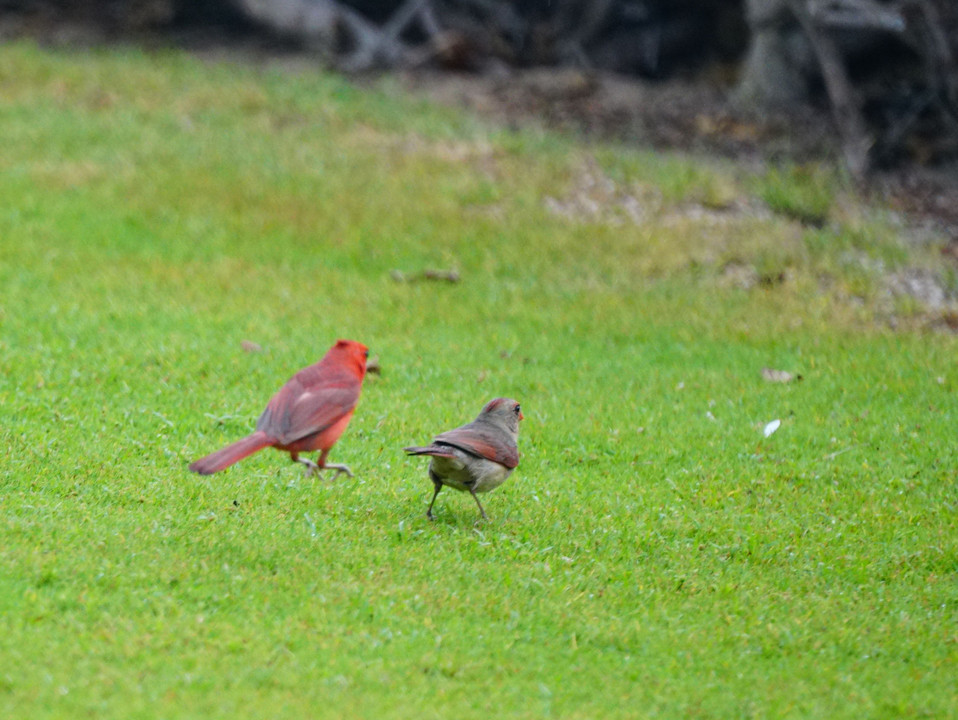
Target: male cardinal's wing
{"type": "Point", "coordinates": [309, 403]}
{"type": "Point", "coordinates": [488, 443]}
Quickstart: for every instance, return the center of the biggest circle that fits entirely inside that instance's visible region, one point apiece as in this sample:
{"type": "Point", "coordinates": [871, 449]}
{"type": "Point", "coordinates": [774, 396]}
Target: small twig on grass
{"type": "Point", "coordinates": [451, 276]}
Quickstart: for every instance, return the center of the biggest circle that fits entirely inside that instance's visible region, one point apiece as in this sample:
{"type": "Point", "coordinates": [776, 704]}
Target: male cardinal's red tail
{"type": "Point", "coordinates": [231, 453]}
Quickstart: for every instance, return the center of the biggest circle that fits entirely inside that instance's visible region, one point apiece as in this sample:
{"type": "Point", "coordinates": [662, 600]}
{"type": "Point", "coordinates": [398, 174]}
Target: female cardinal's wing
{"type": "Point", "coordinates": [486, 442]}
{"type": "Point", "coordinates": [309, 403]}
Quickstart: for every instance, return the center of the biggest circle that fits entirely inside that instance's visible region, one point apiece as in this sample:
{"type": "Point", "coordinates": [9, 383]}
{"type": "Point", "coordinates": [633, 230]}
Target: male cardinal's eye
{"type": "Point", "coordinates": [365, 353]}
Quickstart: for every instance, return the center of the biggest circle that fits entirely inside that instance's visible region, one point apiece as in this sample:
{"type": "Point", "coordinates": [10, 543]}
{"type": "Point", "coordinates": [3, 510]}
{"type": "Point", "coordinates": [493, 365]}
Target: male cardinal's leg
{"type": "Point", "coordinates": [323, 465]}
{"type": "Point", "coordinates": [476, 498]}
{"type": "Point", "coordinates": [314, 468]}
{"type": "Point", "coordinates": [310, 468]}
{"type": "Point", "coordinates": [437, 484]}
{"type": "Point", "coordinates": [339, 469]}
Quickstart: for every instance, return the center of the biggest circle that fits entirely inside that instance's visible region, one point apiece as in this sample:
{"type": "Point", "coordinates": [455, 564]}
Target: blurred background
{"type": "Point", "coordinates": [872, 84]}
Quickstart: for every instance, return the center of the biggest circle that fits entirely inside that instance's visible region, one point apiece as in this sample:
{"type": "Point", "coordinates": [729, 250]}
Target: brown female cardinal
{"type": "Point", "coordinates": [308, 413]}
{"type": "Point", "coordinates": [477, 457]}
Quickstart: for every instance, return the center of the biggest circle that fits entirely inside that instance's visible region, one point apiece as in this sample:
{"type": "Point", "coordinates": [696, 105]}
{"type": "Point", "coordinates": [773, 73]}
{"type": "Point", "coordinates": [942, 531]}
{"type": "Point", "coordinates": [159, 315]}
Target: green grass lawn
{"type": "Point", "coordinates": [654, 555]}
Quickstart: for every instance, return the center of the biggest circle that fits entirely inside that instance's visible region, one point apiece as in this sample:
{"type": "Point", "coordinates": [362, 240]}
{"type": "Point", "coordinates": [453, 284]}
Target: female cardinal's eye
{"type": "Point", "coordinates": [518, 409]}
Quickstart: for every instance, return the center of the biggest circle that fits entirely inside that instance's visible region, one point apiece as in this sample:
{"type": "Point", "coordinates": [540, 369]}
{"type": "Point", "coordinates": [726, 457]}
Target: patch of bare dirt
{"type": "Point", "coordinates": [691, 114]}
{"type": "Point", "coordinates": [698, 116]}
{"type": "Point", "coordinates": [595, 197]}
{"type": "Point", "coordinates": [681, 114]}
{"type": "Point", "coordinates": [695, 115]}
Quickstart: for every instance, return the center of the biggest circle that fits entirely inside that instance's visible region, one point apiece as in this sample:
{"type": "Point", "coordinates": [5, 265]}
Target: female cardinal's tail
{"type": "Point", "coordinates": [434, 450]}
{"type": "Point", "coordinates": [231, 453]}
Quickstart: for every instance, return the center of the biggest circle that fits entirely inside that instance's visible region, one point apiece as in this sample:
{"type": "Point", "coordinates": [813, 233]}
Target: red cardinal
{"type": "Point", "coordinates": [308, 413]}
{"type": "Point", "coordinates": [477, 457]}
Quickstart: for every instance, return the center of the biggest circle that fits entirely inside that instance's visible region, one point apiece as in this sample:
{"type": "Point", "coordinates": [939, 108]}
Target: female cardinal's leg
{"type": "Point", "coordinates": [437, 484]}
{"type": "Point", "coordinates": [476, 498]}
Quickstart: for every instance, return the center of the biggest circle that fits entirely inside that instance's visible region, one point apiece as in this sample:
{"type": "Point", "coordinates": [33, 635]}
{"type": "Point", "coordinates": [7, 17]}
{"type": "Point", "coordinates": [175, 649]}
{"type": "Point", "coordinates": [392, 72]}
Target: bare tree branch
{"type": "Point", "coordinates": [934, 47]}
{"type": "Point", "coordinates": [845, 106]}
{"type": "Point", "coordinates": [866, 14]}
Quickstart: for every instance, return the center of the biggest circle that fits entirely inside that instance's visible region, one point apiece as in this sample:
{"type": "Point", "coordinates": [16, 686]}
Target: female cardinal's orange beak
{"type": "Point", "coordinates": [521, 416]}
